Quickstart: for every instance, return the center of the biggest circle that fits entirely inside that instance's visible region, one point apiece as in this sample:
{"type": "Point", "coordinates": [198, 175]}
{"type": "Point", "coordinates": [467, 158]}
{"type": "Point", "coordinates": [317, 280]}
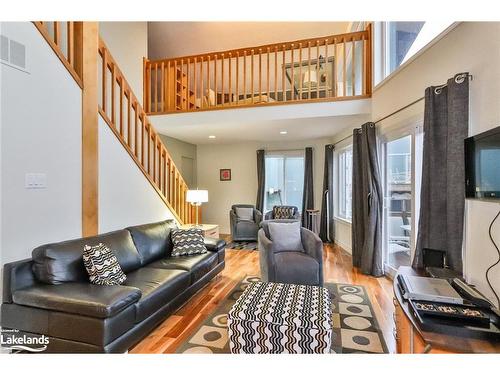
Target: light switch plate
{"type": "Point", "coordinates": [35, 181]}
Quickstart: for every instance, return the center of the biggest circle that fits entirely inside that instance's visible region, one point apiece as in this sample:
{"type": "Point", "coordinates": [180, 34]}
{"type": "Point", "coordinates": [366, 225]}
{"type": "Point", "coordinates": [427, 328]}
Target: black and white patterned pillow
{"type": "Point", "coordinates": [187, 242]}
{"type": "Point", "coordinates": [102, 266]}
{"type": "Point", "coordinates": [283, 212]}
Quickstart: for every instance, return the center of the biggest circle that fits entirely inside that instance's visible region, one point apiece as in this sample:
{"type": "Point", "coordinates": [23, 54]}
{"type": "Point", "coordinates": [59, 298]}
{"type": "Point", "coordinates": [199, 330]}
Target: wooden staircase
{"type": "Point", "coordinates": [123, 113]}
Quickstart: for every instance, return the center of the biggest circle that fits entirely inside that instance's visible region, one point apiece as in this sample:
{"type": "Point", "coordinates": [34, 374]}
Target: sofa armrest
{"type": "Point", "coordinates": [99, 301]}
{"type": "Point", "coordinates": [268, 215]}
{"type": "Point", "coordinates": [232, 221]}
{"type": "Point", "coordinates": [313, 246]}
{"type": "Point", "coordinates": [214, 244]}
{"type": "Point", "coordinates": [266, 257]}
{"type": "Point", "coordinates": [257, 215]}
{"type": "Point", "coordinates": [17, 275]}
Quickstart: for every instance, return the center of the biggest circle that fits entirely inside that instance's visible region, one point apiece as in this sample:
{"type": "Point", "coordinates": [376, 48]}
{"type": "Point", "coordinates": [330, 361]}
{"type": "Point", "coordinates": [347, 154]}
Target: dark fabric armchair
{"type": "Point", "coordinates": [271, 215]}
{"type": "Point", "coordinates": [291, 267]}
{"type": "Point", "coordinates": [244, 229]}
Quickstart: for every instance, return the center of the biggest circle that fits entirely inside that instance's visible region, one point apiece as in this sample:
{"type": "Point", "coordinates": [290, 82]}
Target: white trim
{"type": "Point", "coordinates": [414, 57]}
{"type": "Point", "coordinates": [336, 181]}
{"type": "Point", "coordinates": [342, 220]}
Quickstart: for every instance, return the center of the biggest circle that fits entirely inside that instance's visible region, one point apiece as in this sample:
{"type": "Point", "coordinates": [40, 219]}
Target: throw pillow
{"type": "Point", "coordinates": [286, 236]}
{"type": "Point", "coordinates": [244, 213]}
{"type": "Point", "coordinates": [102, 266]}
{"type": "Point", "coordinates": [187, 242]}
{"type": "Point", "coordinates": [283, 212]}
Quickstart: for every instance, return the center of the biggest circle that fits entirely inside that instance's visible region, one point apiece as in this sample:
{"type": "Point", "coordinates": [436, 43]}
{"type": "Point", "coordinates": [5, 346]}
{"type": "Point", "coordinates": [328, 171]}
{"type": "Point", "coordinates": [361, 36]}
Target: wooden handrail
{"type": "Point", "coordinates": [329, 68]}
{"type": "Point", "coordinates": [123, 113]}
{"type": "Point", "coordinates": [67, 49]}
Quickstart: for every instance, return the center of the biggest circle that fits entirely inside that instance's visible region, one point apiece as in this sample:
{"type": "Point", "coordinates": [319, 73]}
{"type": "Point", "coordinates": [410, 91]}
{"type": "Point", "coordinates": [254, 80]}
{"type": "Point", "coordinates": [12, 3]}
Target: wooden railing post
{"type": "Point", "coordinates": [369, 62]}
{"type": "Point", "coordinates": [90, 158]}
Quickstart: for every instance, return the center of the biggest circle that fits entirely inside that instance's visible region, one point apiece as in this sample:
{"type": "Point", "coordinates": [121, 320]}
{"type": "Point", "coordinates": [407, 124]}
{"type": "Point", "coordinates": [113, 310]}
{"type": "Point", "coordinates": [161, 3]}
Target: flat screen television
{"type": "Point", "coordinates": [482, 165]}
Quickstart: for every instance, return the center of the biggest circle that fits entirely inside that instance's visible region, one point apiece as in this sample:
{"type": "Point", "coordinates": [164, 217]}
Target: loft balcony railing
{"type": "Point", "coordinates": [336, 67]}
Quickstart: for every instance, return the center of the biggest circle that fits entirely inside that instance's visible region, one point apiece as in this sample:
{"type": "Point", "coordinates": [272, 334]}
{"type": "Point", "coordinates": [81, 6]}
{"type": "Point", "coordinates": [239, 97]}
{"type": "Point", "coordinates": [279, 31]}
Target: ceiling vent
{"type": "Point", "coordinates": [12, 53]}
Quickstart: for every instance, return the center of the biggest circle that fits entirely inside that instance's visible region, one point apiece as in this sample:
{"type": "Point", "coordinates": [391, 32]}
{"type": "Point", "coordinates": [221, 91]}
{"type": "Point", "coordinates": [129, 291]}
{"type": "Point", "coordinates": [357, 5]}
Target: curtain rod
{"type": "Point", "coordinates": [289, 149]}
{"type": "Point", "coordinates": [386, 117]}
{"type": "Point", "coordinates": [399, 110]}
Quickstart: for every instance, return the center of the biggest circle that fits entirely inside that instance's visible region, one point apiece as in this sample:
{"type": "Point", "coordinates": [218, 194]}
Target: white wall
{"type": "Point", "coordinates": [125, 196]}
{"type": "Point", "coordinates": [175, 39]}
{"type": "Point", "coordinates": [241, 158]}
{"type": "Point", "coordinates": [128, 43]}
{"type": "Point", "coordinates": [40, 133]}
{"type": "Point", "coordinates": [179, 150]}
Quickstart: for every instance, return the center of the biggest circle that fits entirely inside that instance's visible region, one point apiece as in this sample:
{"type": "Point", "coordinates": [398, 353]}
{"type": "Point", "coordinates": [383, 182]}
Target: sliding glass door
{"type": "Point", "coordinates": [284, 179]}
{"type": "Point", "coordinates": [400, 167]}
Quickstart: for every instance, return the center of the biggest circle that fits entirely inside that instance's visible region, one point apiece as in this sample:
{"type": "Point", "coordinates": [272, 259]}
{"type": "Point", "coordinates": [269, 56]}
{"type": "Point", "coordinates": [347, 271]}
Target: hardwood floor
{"type": "Point", "coordinates": [239, 263]}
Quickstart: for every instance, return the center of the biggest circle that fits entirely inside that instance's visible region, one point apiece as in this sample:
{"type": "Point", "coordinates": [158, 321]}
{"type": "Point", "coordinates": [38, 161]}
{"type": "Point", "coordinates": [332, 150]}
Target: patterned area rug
{"type": "Point", "coordinates": [355, 328]}
{"type": "Point", "coordinates": [242, 245]}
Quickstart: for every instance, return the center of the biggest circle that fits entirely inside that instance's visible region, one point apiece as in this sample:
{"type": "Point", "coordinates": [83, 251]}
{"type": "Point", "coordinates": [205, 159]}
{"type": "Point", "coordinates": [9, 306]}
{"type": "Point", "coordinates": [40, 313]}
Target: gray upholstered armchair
{"type": "Point", "coordinates": [301, 265]}
{"type": "Point", "coordinates": [245, 221]}
{"type": "Point", "coordinates": [290, 212]}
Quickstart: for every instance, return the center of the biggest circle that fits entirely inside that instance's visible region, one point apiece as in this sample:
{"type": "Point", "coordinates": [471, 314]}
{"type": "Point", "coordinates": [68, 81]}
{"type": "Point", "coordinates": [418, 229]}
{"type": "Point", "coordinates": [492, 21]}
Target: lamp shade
{"type": "Point", "coordinates": [197, 196]}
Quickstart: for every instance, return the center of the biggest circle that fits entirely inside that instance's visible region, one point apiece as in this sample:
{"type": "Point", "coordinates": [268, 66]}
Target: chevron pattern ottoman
{"type": "Point", "coordinates": [275, 318]}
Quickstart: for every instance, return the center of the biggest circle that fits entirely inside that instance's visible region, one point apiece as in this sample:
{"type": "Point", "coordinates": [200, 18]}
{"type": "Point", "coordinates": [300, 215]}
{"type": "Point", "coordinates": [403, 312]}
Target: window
{"type": "Point", "coordinates": [397, 42]}
{"type": "Point", "coordinates": [344, 168]}
{"type": "Point", "coordinates": [284, 179]}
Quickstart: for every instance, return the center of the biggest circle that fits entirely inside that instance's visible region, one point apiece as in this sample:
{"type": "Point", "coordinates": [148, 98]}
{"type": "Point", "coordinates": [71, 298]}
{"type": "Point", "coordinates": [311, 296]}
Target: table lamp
{"type": "Point", "coordinates": [196, 198]}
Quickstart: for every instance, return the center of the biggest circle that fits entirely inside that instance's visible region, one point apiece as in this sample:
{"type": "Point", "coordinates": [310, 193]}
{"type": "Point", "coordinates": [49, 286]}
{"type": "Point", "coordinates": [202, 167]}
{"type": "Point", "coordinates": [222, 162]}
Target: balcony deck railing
{"type": "Point", "coordinates": [330, 68]}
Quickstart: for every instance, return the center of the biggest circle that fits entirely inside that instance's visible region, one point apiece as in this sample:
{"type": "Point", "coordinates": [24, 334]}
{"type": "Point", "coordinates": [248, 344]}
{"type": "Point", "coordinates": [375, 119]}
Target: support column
{"type": "Point", "coordinates": [89, 37]}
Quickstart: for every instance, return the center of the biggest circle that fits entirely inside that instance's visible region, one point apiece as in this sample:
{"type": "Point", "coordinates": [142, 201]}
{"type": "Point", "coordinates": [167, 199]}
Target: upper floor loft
{"type": "Point", "coordinates": [321, 69]}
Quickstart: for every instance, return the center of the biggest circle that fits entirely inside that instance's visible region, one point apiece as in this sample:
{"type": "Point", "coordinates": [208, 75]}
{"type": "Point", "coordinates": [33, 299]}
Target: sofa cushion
{"type": "Point", "coordinates": [102, 266]}
{"type": "Point", "coordinates": [244, 213]}
{"type": "Point", "coordinates": [293, 267]}
{"type": "Point", "coordinates": [187, 242]}
{"type": "Point", "coordinates": [62, 262]}
{"type": "Point", "coordinates": [153, 240]}
{"type": "Point", "coordinates": [286, 236]}
{"type": "Point", "coordinates": [197, 265]}
{"type": "Point", "coordinates": [78, 298]}
{"type": "Point", "coordinates": [158, 286]}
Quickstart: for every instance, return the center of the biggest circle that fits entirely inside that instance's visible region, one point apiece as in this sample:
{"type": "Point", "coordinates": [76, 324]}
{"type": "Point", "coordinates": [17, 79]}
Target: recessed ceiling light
{"type": "Point", "coordinates": [283, 132]}
{"type": "Point", "coordinates": [211, 136]}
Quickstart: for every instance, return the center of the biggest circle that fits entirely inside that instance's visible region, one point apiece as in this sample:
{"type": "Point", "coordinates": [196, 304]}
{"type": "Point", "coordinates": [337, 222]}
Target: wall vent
{"type": "Point", "coordinates": [12, 53]}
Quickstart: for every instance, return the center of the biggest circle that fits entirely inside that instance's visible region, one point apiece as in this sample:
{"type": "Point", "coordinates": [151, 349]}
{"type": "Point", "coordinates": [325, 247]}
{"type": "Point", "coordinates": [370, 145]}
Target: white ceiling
{"type": "Point", "coordinates": [175, 39]}
{"type": "Point", "coordinates": [301, 121]}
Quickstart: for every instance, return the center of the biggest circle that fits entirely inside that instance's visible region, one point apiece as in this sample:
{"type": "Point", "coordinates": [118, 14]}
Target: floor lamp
{"type": "Point", "coordinates": [196, 198]}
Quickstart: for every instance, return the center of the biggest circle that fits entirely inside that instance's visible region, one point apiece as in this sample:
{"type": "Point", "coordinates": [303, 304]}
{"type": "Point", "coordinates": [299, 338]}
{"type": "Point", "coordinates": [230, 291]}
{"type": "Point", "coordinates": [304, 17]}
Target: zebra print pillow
{"type": "Point", "coordinates": [188, 242]}
{"type": "Point", "coordinates": [102, 265]}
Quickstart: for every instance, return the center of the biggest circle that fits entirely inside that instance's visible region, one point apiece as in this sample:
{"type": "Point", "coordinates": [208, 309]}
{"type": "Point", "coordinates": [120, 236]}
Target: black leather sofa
{"type": "Point", "coordinates": [50, 294]}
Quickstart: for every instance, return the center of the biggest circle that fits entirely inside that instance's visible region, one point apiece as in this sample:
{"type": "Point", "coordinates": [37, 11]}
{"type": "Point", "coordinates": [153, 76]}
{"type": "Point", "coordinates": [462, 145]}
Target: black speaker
{"type": "Point", "coordinates": [434, 258]}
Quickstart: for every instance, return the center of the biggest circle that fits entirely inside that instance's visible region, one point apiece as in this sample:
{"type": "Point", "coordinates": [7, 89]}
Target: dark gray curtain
{"type": "Point", "coordinates": [261, 179]}
{"type": "Point", "coordinates": [327, 229]}
{"type": "Point", "coordinates": [358, 214]}
{"type": "Point", "coordinates": [367, 202]}
{"type": "Point", "coordinates": [442, 197]}
{"type": "Point", "coordinates": [308, 194]}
